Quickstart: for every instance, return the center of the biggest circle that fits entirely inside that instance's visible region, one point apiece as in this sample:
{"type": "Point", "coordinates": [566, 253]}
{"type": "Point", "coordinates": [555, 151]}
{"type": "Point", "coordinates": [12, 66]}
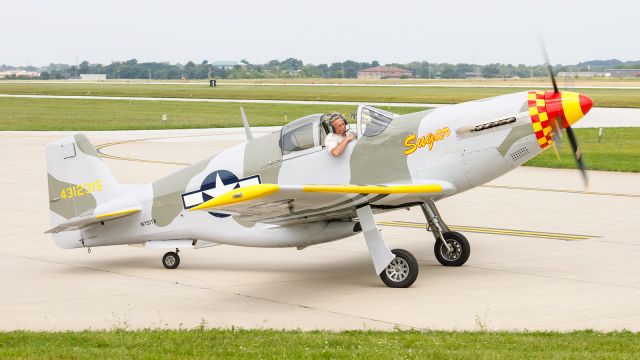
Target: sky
{"type": "Point", "coordinates": [40, 32]}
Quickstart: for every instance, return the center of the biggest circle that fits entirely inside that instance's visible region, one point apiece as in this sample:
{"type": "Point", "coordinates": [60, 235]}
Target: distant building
{"type": "Point", "coordinates": [581, 74]}
{"type": "Point", "coordinates": [473, 75]}
{"type": "Point", "coordinates": [379, 72]}
{"type": "Point", "coordinates": [19, 73]}
{"type": "Point", "coordinates": [93, 77]}
{"type": "Point", "coordinates": [623, 73]}
{"type": "Point", "coordinates": [226, 65]}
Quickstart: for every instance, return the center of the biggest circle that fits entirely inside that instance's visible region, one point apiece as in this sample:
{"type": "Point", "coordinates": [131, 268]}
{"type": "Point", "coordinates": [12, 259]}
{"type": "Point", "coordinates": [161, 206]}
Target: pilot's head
{"type": "Point", "coordinates": [338, 123]}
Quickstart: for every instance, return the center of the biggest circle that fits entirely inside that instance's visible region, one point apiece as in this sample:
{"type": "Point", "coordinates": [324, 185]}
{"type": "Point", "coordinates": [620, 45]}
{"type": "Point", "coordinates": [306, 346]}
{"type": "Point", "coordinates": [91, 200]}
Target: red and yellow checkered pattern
{"type": "Point", "coordinates": [539, 118]}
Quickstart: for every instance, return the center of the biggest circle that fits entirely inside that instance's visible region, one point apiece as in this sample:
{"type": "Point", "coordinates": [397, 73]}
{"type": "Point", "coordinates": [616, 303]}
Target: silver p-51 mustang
{"type": "Point", "coordinates": [285, 190]}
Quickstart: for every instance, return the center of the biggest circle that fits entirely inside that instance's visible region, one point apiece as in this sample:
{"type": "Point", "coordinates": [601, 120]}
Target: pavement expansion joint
{"type": "Point", "coordinates": [84, 267]}
{"type": "Point", "coordinates": [307, 307]}
{"type": "Point", "coordinates": [561, 191]}
{"type": "Point", "coordinates": [197, 287]}
{"type": "Point", "coordinates": [557, 277]}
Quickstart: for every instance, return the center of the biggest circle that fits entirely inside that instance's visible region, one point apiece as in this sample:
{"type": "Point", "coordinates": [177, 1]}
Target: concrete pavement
{"type": "Point", "coordinates": [509, 282]}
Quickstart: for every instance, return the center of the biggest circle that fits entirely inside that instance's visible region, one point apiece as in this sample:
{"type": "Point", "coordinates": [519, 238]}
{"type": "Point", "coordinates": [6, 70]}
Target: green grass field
{"type": "Point", "coordinates": [273, 344]}
{"type": "Point", "coordinates": [405, 94]}
{"type": "Point", "coordinates": [85, 115]}
{"type": "Point", "coordinates": [618, 151]}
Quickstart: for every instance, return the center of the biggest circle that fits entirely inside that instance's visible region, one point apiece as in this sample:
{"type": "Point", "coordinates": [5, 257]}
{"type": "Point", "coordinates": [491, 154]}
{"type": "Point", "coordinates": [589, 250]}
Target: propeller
{"type": "Point", "coordinates": [556, 124]}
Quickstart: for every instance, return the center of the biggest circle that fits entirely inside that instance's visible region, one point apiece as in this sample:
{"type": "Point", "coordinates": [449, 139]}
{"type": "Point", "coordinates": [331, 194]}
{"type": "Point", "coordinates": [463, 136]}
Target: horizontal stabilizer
{"type": "Point", "coordinates": [84, 221]}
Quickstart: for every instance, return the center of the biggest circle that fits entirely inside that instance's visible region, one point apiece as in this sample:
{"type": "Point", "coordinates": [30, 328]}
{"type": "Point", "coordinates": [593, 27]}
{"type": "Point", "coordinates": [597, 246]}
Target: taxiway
{"type": "Point", "coordinates": [588, 278]}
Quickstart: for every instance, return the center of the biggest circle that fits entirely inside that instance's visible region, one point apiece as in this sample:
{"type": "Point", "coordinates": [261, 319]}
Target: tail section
{"type": "Point", "coordinates": [79, 181]}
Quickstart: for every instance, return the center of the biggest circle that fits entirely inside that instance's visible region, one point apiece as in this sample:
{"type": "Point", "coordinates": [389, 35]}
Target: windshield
{"type": "Point", "coordinates": [373, 121]}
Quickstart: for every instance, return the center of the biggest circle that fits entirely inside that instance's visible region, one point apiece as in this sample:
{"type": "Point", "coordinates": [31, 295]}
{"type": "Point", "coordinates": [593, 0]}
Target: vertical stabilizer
{"type": "Point", "coordinates": [78, 179]}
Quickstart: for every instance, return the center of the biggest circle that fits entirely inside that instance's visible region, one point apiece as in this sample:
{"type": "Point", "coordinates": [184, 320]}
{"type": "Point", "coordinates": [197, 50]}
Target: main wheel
{"type": "Point", "coordinates": [402, 271]}
{"type": "Point", "coordinates": [171, 260]}
{"type": "Point", "coordinates": [460, 249]}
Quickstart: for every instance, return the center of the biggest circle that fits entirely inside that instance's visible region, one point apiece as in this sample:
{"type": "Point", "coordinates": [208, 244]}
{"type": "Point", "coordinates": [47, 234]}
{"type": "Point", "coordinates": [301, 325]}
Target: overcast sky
{"type": "Point", "coordinates": [39, 32]}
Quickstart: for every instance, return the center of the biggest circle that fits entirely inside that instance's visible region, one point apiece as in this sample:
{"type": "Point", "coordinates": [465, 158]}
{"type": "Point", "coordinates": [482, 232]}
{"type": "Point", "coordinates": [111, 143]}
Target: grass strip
{"type": "Point", "coordinates": [619, 150]}
{"type": "Point", "coordinates": [70, 114]}
{"type": "Point", "coordinates": [404, 94]}
{"type": "Point", "coordinates": [279, 344]}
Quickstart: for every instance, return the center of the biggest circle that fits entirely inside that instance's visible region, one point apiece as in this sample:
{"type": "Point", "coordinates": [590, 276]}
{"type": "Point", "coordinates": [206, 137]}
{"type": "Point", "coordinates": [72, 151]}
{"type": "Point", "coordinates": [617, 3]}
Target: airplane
{"type": "Point", "coordinates": [285, 189]}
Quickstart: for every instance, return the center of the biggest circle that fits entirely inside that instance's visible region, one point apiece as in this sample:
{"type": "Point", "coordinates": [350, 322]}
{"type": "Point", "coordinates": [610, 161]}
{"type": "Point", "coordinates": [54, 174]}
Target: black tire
{"type": "Point", "coordinates": [402, 271]}
{"type": "Point", "coordinates": [460, 253]}
{"type": "Point", "coordinates": [171, 260]}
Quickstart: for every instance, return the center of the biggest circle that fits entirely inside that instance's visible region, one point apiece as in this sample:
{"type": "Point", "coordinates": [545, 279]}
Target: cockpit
{"type": "Point", "coordinates": [306, 135]}
{"type": "Point", "coordinates": [302, 134]}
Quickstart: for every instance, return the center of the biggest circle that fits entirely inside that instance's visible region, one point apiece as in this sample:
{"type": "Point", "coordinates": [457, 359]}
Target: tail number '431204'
{"type": "Point", "coordinates": [429, 140]}
{"type": "Point", "coordinates": [80, 190]}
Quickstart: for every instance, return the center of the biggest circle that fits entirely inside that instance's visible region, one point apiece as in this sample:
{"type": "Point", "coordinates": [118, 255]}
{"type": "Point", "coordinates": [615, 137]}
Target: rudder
{"type": "Point", "coordinates": [78, 178]}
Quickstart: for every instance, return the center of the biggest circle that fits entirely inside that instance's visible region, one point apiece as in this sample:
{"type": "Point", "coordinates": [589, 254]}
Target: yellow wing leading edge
{"type": "Point", "coordinates": [261, 190]}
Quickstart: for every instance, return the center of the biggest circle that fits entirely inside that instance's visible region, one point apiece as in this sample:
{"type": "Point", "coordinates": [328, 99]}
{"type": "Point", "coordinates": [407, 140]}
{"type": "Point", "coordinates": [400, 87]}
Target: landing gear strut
{"type": "Point", "coordinates": [397, 268]}
{"type": "Point", "coordinates": [451, 247]}
{"type": "Point", "coordinates": [171, 260]}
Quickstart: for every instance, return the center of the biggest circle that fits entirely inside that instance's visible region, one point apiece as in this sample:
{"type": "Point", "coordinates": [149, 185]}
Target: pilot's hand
{"type": "Point", "coordinates": [350, 136]}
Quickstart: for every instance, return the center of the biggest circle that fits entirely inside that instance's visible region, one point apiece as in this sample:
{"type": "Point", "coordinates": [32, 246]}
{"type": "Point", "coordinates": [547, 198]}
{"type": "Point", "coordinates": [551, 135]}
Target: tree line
{"type": "Point", "coordinates": [295, 68]}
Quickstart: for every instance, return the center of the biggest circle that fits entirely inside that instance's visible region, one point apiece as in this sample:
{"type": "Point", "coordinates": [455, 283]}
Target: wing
{"type": "Point", "coordinates": [290, 204]}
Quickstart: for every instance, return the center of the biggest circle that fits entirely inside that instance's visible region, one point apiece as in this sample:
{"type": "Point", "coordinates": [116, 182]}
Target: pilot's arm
{"type": "Point", "coordinates": [337, 144]}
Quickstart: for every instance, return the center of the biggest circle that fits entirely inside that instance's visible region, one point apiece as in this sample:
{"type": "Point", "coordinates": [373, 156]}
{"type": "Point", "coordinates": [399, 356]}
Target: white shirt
{"type": "Point", "coordinates": [332, 140]}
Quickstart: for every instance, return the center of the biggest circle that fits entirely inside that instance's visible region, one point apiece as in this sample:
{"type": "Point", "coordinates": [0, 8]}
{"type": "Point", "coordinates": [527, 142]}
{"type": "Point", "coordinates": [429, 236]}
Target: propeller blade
{"type": "Point", "coordinates": [549, 67]}
{"type": "Point", "coordinates": [555, 150]}
{"type": "Point", "coordinates": [553, 79]}
{"type": "Point", "coordinates": [578, 155]}
{"type": "Point", "coordinates": [556, 127]}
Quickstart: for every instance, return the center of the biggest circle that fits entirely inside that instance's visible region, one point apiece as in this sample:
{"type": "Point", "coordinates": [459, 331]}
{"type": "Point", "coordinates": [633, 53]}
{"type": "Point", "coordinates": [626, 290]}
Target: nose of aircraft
{"type": "Point", "coordinates": [568, 105]}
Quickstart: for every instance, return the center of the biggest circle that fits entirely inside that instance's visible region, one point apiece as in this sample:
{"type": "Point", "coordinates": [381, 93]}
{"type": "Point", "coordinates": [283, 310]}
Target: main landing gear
{"type": "Point", "coordinates": [171, 260]}
{"type": "Point", "coordinates": [397, 268]}
{"type": "Point", "coordinates": [402, 271]}
{"type": "Point", "coordinates": [451, 247]}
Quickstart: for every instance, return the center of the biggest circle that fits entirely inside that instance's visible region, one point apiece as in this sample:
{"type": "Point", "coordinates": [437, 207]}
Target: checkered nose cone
{"type": "Point", "coordinates": [565, 106]}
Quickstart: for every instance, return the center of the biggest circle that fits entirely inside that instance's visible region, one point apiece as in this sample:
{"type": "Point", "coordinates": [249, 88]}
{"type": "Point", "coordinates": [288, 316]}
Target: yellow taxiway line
{"type": "Point", "coordinates": [561, 191]}
{"type": "Point", "coordinates": [495, 231]}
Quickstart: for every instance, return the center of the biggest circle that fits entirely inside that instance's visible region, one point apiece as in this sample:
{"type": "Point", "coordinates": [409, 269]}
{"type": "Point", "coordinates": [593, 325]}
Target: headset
{"type": "Point", "coordinates": [335, 116]}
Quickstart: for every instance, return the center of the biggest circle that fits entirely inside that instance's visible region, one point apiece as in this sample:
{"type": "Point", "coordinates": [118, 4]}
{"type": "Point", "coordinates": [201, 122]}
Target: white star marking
{"type": "Point", "coordinates": [197, 198]}
{"type": "Point", "coordinates": [220, 188]}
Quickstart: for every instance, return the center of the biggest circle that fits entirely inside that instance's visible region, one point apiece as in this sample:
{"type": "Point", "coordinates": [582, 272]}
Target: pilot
{"type": "Point", "coordinates": [337, 141]}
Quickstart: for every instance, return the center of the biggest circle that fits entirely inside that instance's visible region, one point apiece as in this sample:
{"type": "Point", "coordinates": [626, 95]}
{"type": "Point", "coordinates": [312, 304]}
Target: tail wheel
{"type": "Point", "coordinates": [171, 260]}
{"type": "Point", "coordinates": [402, 271]}
{"type": "Point", "coordinates": [459, 249]}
